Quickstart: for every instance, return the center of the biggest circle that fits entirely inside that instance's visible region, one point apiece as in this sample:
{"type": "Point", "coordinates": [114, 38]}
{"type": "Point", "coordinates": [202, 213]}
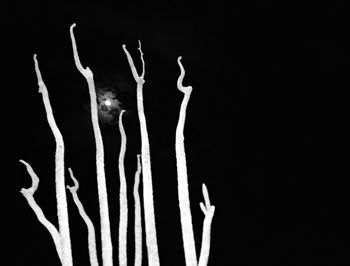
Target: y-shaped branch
{"type": "Point", "coordinates": [107, 249]}
{"type": "Point", "coordinates": [208, 211]}
{"type": "Point", "coordinates": [150, 224]}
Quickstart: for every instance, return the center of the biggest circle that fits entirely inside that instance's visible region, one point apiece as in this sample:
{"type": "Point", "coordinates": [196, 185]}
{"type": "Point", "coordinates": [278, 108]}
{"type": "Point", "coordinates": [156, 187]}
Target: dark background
{"type": "Point", "coordinates": [266, 130]}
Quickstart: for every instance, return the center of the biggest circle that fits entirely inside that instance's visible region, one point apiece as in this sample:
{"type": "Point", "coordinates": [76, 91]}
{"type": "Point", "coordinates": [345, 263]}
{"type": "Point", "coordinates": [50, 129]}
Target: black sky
{"type": "Point", "coordinates": [266, 125]}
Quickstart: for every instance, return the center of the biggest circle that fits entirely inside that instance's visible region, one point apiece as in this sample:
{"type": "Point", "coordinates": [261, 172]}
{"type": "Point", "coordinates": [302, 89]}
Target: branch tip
{"type": "Point", "coordinates": [206, 195]}
{"type": "Point", "coordinates": [75, 181]}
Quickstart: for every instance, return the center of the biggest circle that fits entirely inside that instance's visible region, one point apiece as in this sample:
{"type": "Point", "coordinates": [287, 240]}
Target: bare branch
{"type": "Point", "coordinates": [107, 249]}
{"type": "Point", "coordinates": [28, 193]}
{"type": "Point", "coordinates": [87, 220]}
{"type": "Point", "coordinates": [150, 224]}
{"type": "Point", "coordinates": [123, 200]}
{"type": "Point", "coordinates": [187, 89]}
{"type": "Point", "coordinates": [139, 79]}
{"type": "Point", "coordinates": [75, 51]}
{"type": "Point", "coordinates": [137, 225]}
{"type": "Point", "coordinates": [62, 210]}
{"type": "Point", "coordinates": [208, 211]}
{"type": "Point", "coordinates": [143, 61]}
{"type": "Point", "coordinates": [183, 193]}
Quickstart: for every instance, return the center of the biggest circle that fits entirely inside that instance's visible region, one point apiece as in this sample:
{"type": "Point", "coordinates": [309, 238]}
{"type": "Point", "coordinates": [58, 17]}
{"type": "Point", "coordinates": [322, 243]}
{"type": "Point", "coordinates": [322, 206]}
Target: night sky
{"type": "Point", "coordinates": [266, 126]}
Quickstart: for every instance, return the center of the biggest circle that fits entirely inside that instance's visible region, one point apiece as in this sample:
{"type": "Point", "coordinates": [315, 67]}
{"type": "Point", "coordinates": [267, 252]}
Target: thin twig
{"type": "Point", "coordinates": [123, 200]}
{"type": "Point", "coordinates": [137, 224]}
{"type": "Point", "coordinates": [87, 220]}
{"type": "Point", "coordinates": [208, 211]}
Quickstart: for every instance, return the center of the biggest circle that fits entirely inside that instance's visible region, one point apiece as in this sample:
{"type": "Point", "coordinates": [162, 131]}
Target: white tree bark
{"type": "Point", "coordinates": [150, 224]}
{"type": "Point", "coordinates": [182, 183]}
{"type": "Point", "coordinates": [87, 220]}
{"type": "Point", "coordinates": [106, 241]}
{"type": "Point", "coordinates": [123, 200]}
{"type": "Point", "coordinates": [137, 224]}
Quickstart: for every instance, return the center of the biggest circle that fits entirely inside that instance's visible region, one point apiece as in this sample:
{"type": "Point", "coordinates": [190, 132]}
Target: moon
{"type": "Point", "coordinates": [108, 102]}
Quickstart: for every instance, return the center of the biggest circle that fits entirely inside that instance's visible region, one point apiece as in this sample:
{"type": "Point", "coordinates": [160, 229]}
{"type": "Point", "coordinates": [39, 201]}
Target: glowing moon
{"type": "Point", "coordinates": [108, 102]}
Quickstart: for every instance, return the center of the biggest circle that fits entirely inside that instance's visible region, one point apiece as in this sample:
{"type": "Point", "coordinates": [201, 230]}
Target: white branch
{"type": "Point", "coordinates": [150, 224]}
{"type": "Point", "coordinates": [61, 237]}
{"type": "Point", "coordinates": [123, 200]}
{"type": "Point", "coordinates": [62, 211]}
{"type": "Point", "coordinates": [137, 224]}
{"type": "Point", "coordinates": [183, 194]}
{"type": "Point", "coordinates": [87, 220]}
{"type": "Point", "coordinates": [107, 249]}
{"type": "Point", "coordinates": [75, 51]}
{"type": "Point", "coordinates": [208, 211]}
{"type": "Point", "coordinates": [139, 79]}
{"type": "Point", "coordinates": [28, 193]}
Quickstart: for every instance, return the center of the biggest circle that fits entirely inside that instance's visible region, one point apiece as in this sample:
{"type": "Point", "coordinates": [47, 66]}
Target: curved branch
{"type": "Point", "coordinates": [182, 183]}
{"type": "Point", "coordinates": [75, 51]}
{"type": "Point", "coordinates": [187, 89]}
{"type": "Point", "coordinates": [28, 193]}
{"type": "Point", "coordinates": [87, 220]}
{"type": "Point", "coordinates": [107, 249]}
